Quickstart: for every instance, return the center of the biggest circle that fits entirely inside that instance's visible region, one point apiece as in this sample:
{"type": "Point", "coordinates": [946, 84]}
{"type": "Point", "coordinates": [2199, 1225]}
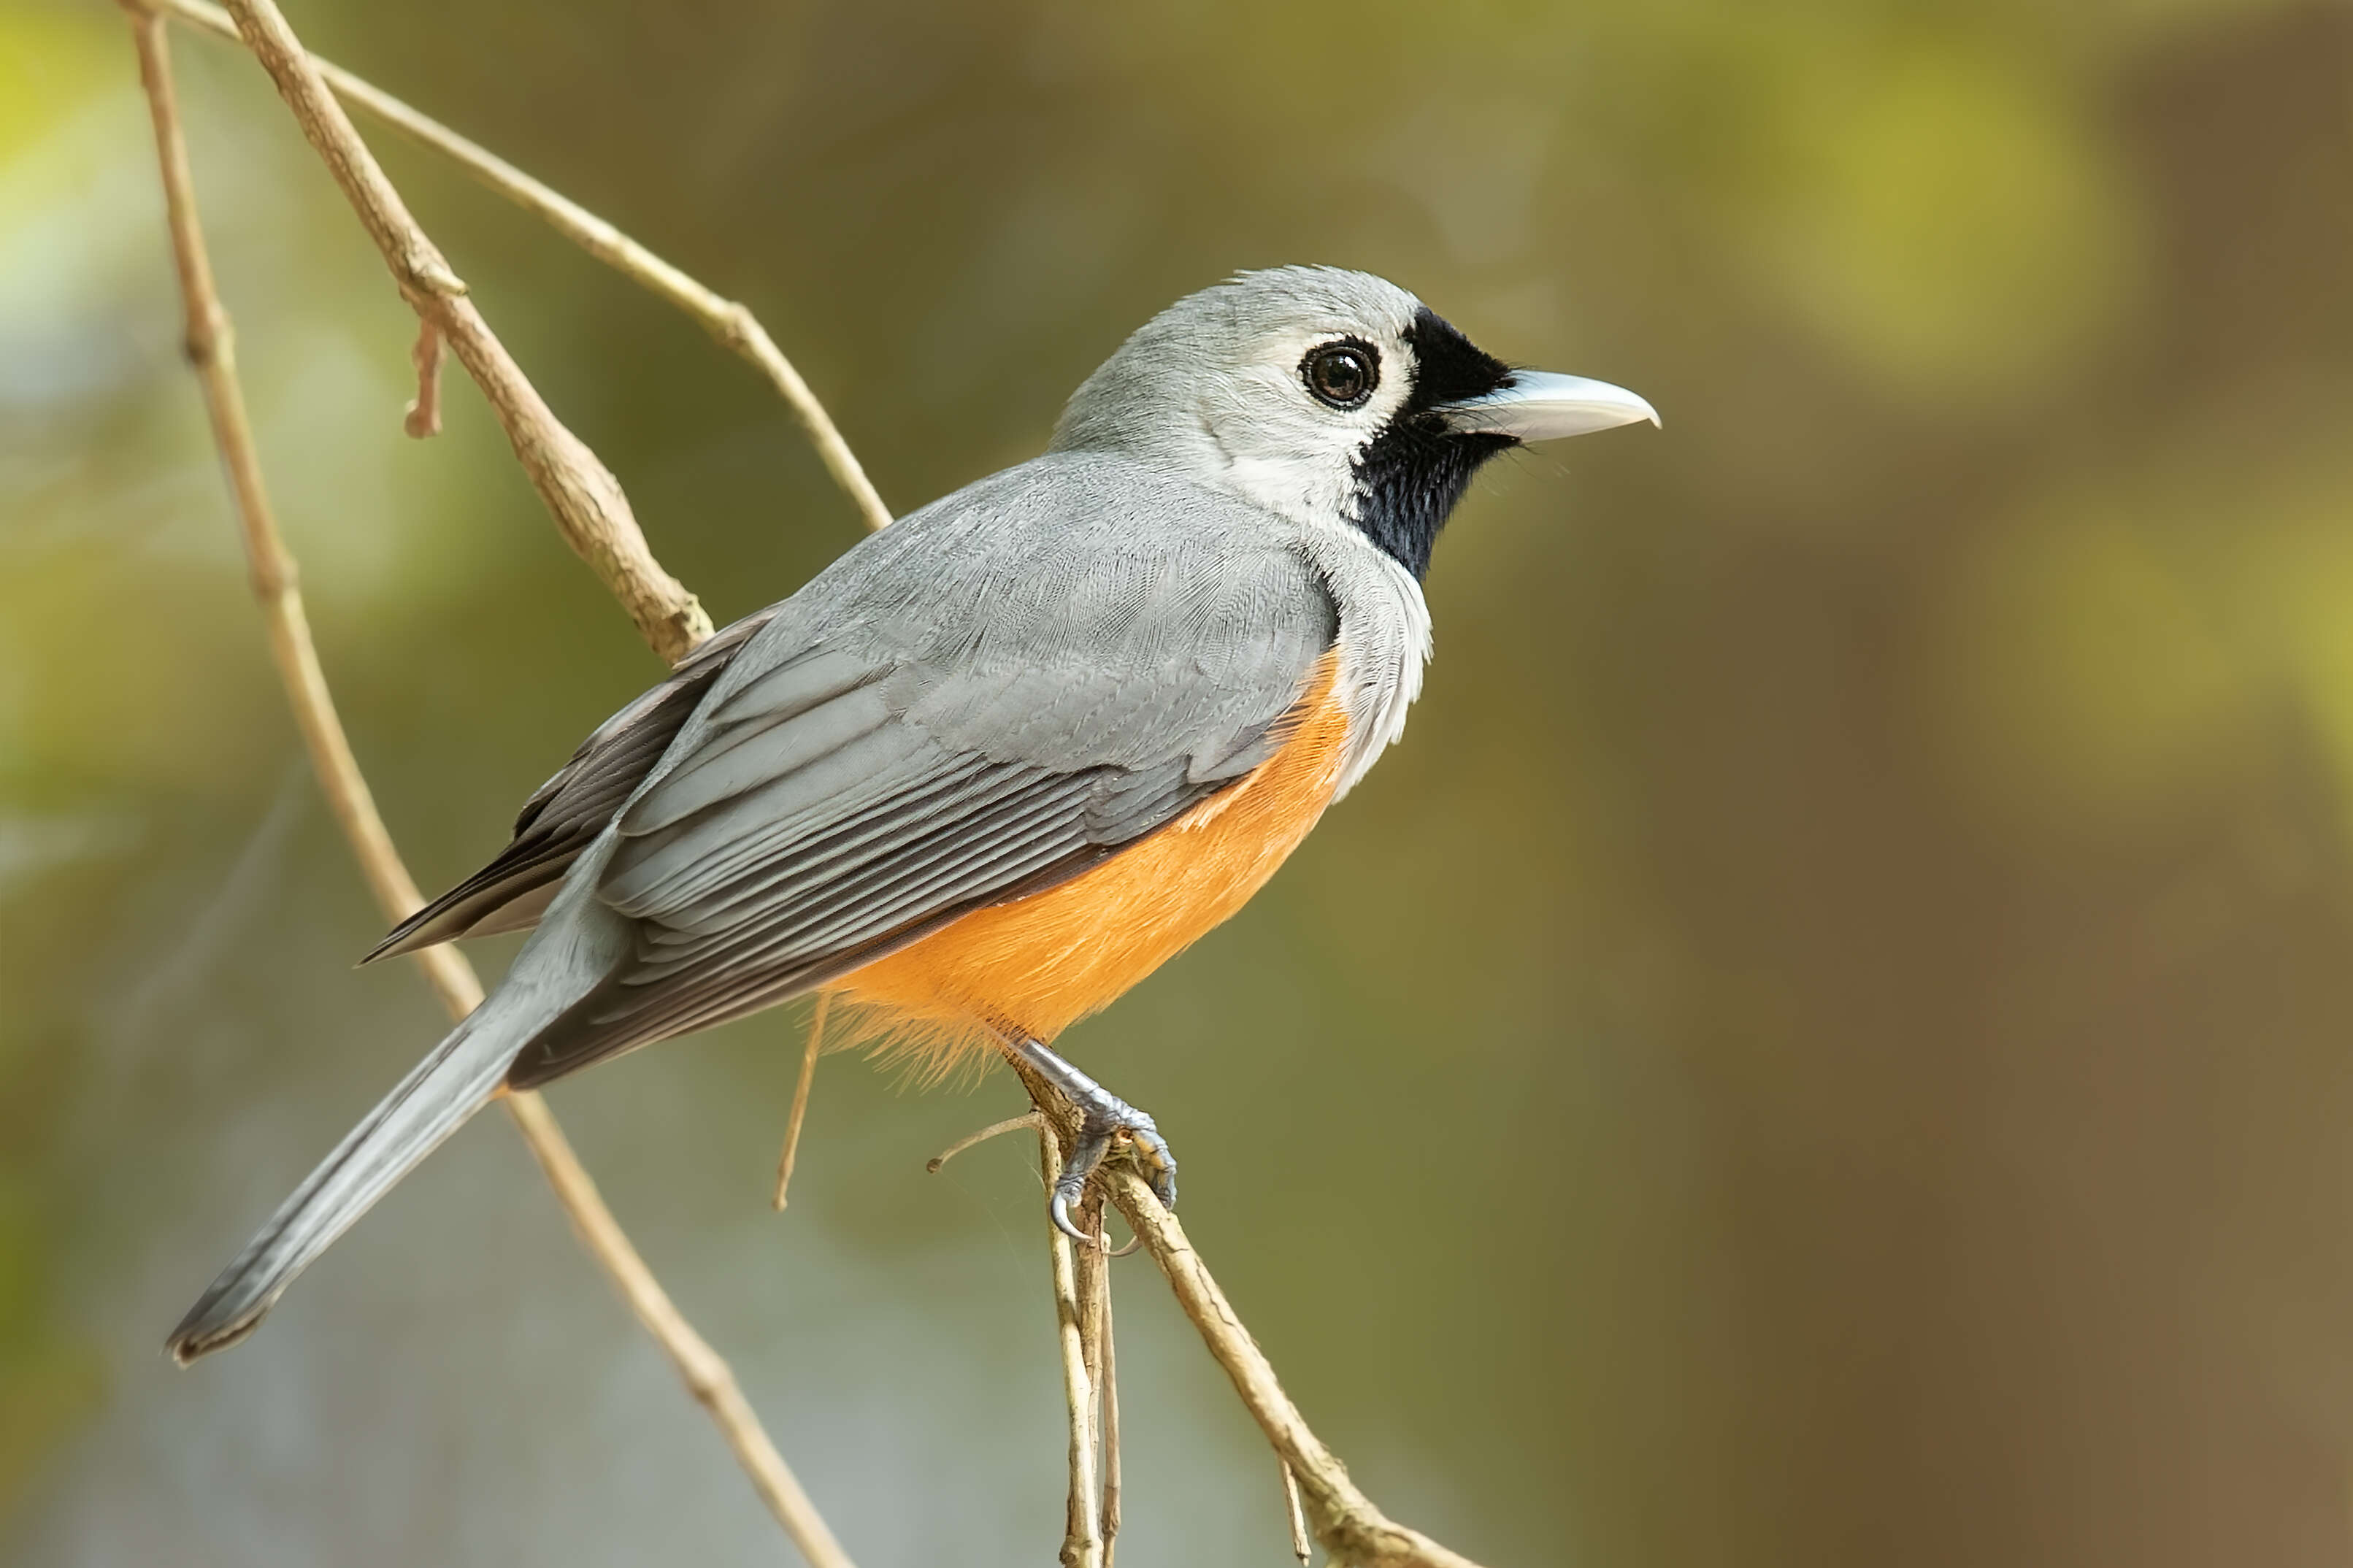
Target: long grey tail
{"type": "Point", "coordinates": [433, 1101]}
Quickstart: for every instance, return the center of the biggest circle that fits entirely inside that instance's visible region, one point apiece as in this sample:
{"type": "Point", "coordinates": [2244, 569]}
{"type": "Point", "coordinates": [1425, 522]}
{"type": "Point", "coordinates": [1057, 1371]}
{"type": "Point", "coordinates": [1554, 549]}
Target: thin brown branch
{"type": "Point", "coordinates": [1091, 1267]}
{"type": "Point", "coordinates": [211, 351]}
{"type": "Point", "coordinates": [1082, 1540]}
{"type": "Point", "coordinates": [1108, 1394]}
{"type": "Point", "coordinates": [733, 325]}
{"type": "Point", "coordinates": [424, 416]}
{"type": "Point", "coordinates": [1344, 1520]}
{"type": "Point", "coordinates": [586, 501]}
{"type": "Point", "coordinates": [1300, 1546]}
{"type": "Point", "coordinates": [1351, 1529]}
{"type": "Point", "coordinates": [705, 1372]}
{"type": "Point", "coordinates": [800, 1099]}
{"type": "Point", "coordinates": [993, 1129]}
{"type": "Point", "coordinates": [1093, 1275]}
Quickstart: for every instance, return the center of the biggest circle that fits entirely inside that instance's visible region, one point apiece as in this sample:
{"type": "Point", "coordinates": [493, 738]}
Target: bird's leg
{"type": "Point", "coordinates": [1102, 1116]}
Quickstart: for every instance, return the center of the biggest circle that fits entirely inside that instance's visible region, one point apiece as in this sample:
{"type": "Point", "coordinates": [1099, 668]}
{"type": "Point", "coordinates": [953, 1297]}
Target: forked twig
{"type": "Point", "coordinates": [210, 349]}
{"type": "Point", "coordinates": [733, 325]}
{"type": "Point", "coordinates": [585, 500]}
{"type": "Point", "coordinates": [1344, 1520]}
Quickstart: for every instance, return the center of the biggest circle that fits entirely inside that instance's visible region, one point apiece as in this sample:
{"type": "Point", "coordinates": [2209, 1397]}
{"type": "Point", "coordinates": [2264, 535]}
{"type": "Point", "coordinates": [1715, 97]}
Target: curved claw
{"type": "Point", "coordinates": [1059, 1210]}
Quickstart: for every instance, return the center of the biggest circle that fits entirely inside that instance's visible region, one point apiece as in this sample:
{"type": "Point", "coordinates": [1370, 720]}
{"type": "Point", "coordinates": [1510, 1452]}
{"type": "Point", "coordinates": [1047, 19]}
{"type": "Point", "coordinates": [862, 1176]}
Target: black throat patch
{"type": "Point", "coordinates": [1413, 472]}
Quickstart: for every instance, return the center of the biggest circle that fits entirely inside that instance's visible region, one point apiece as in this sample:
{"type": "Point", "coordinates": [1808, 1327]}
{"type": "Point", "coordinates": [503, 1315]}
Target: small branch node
{"type": "Point", "coordinates": [210, 341]}
{"type": "Point", "coordinates": [276, 579]}
{"type": "Point", "coordinates": [433, 275]}
{"type": "Point", "coordinates": [735, 327]}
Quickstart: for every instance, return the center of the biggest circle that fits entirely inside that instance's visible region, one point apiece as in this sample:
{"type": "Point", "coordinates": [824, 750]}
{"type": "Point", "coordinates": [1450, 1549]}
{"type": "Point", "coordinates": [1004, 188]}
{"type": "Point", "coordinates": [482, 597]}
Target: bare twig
{"type": "Point", "coordinates": [211, 351]}
{"type": "Point", "coordinates": [1344, 1520]}
{"type": "Point", "coordinates": [1089, 1381]}
{"type": "Point", "coordinates": [1108, 1394]}
{"type": "Point", "coordinates": [584, 497]}
{"type": "Point", "coordinates": [731, 323]}
{"type": "Point", "coordinates": [1082, 1541]}
{"type": "Point", "coordinates": [800, 1099]}
{"type": "Point", "coordinates": [993, 1129]}
{"type": "Point", "coordinates": [424, 416]}
{"type": "Point", "coordinates": [1093, 1271]}
{"type": "Point", "coordinates": [1300, 1546]}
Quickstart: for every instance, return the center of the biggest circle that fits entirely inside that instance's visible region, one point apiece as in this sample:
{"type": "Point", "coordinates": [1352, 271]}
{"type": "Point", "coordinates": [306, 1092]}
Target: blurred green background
{"type": "Point", "coordinates": [1829, 1043]}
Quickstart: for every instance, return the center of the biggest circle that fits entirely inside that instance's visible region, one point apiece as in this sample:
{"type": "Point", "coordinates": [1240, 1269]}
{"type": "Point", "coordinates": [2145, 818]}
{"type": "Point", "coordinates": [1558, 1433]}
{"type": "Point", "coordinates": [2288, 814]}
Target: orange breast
{"type": "Point", "coordinates": [1038, 964]}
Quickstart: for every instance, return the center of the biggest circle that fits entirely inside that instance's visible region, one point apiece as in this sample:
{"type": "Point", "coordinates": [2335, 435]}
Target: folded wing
{"type": "Point", "coordinates": [988, 696]}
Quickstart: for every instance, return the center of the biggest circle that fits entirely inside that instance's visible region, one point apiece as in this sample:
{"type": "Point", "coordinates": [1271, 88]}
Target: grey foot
{"type": "Point", "coordinates": [1102, 1116]}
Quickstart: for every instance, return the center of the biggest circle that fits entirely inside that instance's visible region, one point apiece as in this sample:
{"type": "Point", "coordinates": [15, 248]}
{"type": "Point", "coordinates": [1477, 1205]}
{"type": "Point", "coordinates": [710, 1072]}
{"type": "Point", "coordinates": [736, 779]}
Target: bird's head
{"type": "Point", "coordinates": [1330, 397]}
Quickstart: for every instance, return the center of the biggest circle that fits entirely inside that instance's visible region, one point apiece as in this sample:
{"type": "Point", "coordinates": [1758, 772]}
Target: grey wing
{"type": "Point", "coordinates": [998, 700]}
{"type": "Point", "coordinates": [564, 815]}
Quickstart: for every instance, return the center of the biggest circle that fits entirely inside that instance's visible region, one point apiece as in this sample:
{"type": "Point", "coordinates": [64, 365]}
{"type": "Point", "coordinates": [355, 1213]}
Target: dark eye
{"type": "Point", "coordinates": [1341, 375]}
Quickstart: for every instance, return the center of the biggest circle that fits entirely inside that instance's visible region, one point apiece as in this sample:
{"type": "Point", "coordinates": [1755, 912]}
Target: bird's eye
{"type": "Point", "coordinates": [1341, 375]}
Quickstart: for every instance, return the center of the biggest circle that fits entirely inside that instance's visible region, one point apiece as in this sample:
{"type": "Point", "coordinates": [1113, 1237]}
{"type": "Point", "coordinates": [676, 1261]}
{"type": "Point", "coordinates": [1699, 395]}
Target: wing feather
{"type": "Point", "coordinates": [989, 696]}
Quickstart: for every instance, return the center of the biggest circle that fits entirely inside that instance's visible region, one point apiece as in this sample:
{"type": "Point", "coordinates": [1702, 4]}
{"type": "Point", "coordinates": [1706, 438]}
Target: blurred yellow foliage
{"type": "Point", "coordinates": [2089, 686]}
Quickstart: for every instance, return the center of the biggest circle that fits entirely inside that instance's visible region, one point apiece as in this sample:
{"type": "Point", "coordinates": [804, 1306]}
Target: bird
{"type": "Point", "coordinates": [1000, 759]}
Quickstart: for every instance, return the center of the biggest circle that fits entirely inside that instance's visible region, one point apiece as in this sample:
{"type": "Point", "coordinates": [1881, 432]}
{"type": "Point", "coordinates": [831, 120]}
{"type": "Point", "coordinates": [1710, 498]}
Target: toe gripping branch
{"type": "Point", "coordinates": [1103, 1118]}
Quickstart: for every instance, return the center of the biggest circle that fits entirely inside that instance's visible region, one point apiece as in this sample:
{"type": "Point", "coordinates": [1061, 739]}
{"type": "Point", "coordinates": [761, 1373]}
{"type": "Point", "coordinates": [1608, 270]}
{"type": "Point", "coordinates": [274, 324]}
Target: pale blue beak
{"type": "Point", "coordinates": [1538, 405]}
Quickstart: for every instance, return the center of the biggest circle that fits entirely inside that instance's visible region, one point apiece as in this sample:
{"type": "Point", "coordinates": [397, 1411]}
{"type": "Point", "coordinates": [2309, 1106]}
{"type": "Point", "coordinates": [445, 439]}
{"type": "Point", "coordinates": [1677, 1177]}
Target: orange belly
{"type": "Point", "coordinates": [1038, 964]}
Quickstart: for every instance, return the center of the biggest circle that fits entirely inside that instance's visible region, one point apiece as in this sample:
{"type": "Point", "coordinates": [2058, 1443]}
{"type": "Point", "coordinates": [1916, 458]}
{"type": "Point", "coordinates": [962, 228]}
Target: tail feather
{"type": "Point", "coordinates": [433, 1101]}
